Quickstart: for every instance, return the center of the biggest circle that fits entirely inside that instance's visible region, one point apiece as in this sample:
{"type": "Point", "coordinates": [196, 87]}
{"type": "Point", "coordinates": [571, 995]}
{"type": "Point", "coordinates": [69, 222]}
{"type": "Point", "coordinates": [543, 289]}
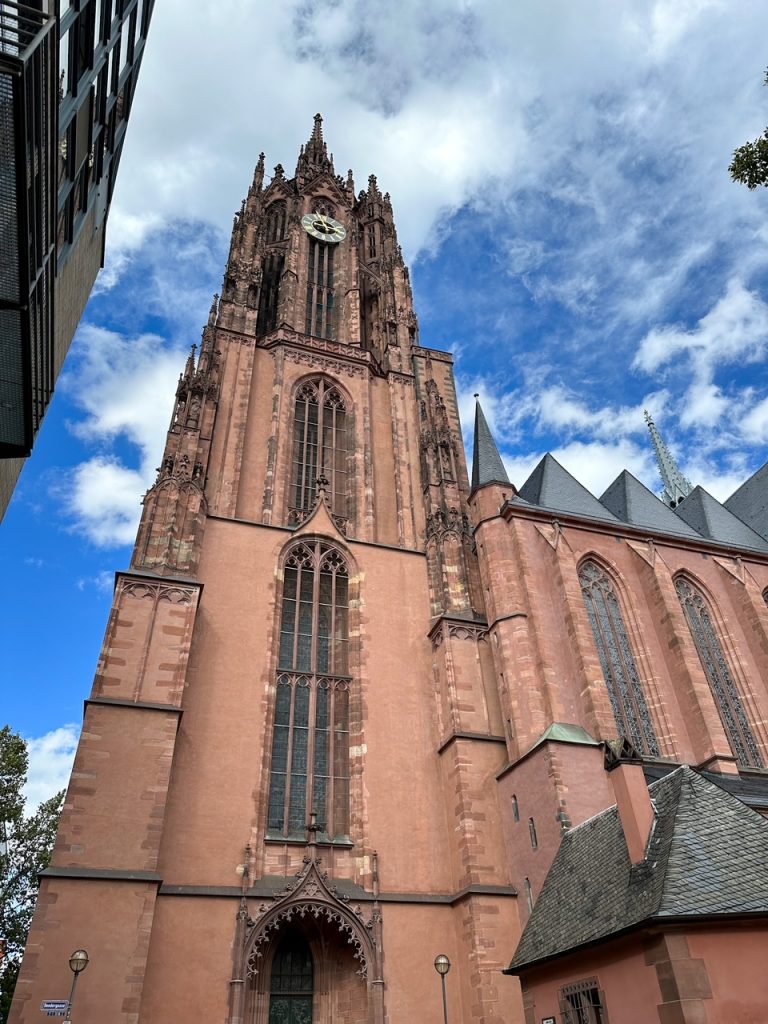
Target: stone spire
{"type": "Point", "coordinates": [487, 466]}
{"type": "Point", "coordinates": [676, 486]}
{"type": "Point", "coordinates": [313, 158]}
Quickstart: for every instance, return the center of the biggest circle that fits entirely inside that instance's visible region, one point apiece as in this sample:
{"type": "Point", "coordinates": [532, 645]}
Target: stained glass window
{"type": "Point", "coordinates": [728, 700]}
{"type": "Point", "coordinates": [625, 691]}
{"type": "Point", "coordinates": [290, 1000]}
{"type": "Point", "coordinates": [320, 445]}
{"type": "Point", "coordinates": [310, 744]}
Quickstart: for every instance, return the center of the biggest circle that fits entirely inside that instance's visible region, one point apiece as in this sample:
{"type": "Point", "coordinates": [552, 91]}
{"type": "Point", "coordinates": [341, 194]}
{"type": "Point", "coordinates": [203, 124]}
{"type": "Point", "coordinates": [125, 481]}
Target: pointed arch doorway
{"type": "Point", "coordinates": [291, 986]}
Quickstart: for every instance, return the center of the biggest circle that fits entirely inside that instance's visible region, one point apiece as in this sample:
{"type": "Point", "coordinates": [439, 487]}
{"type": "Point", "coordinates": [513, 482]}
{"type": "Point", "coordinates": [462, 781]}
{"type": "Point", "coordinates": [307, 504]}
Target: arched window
{"type": "Point", "coordinates": [291, 982]}
{"type": "Point", "coordinates": [275, 222]}
{"type": "Point", "coordinates": [270, 292]}
{"type": "Point", "coordinates": [320, 446]}
{"type": "Point", "coordinates": [319, 310]}
{"type": "Point", "coordinates": [310, 744]}
{"type": "Point", "coordinates": [619, 669]}
{"type": "Point", "coordinates": [719, 676]}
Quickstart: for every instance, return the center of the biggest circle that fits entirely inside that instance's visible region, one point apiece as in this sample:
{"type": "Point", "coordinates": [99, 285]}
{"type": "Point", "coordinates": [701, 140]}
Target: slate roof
{"type": "Point", "coordinates": [713, 520]}
{"type": "Point", "coordinates": [750, 501]}
{"type": "Point", "coordinates": [708, 855]}
{"type": "Point", "coordinates": [551, 486]}
{"type": "Point", "coordinates": [633, 503]}
{"type": "Point", "coordinates": [486, 461]}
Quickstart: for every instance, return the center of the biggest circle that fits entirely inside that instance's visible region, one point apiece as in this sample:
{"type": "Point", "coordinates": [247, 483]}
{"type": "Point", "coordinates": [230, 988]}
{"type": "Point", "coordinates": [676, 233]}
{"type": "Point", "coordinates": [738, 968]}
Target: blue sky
{"type": "Point", "coordinates": [559, 178]}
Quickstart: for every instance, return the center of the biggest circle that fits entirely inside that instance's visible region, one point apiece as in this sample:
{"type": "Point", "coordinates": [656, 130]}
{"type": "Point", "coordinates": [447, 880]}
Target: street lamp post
{"type": "Point", "coordinates": [442, 966]}
{"type": "Point", "coordinates": [77, 963]}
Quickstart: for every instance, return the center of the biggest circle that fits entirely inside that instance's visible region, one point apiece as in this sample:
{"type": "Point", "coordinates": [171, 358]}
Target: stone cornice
{"type": "Point", "coordinates": [140, 705]}
{"type": "Point", "coordinates": [554, 517]}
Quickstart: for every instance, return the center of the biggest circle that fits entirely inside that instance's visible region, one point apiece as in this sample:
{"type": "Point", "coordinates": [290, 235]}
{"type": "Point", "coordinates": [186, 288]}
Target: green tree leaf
{"type": "Point", "coordinates": [26, 844]}
{"type": "Point", "coordinates": [749, 165]}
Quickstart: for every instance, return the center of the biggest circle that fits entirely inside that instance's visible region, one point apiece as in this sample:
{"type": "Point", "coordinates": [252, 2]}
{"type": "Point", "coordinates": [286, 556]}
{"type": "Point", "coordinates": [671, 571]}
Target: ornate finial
{"type": "Point", "coordinates": [279, 172]}
{"type": "Point", "coordinates": [258, 174]}
{"type": "Point", "coordinates": [312, 829]}
{"type": "Point", "coordinates": [213, 314]}
{"type": "Point", "coordinates": [322, 486]}
{"type": "Point", "coordinates": [189, 369]}
{"type": "Point", "coordinates": [317, 131]}
{"type": "Point", "coordinates": [373, 187]}
{"type": "Point", "coordinates": [476, 394]}
{"type": "Point", "coordinates": [350, 181]}
{"type": "Point", "coordinates": [243, 869]}
{"type": "Point", "coordinates": [676, 486]}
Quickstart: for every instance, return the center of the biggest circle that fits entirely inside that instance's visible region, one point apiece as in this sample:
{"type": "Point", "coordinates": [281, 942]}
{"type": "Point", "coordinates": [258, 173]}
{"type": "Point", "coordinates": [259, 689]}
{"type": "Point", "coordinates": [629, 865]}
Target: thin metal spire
{"type": "Point", "coordinates": [676, 486]}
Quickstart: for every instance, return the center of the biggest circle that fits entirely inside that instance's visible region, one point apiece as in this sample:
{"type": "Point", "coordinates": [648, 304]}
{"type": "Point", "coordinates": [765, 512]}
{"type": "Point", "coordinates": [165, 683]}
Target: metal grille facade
{"type": "Point", "coordinates": [728, 700]}
{"type": "Point", "coordinates": [310, 744]}
{"type": "Point", "coordinates": [630, 708]}
{"type": "Point", "coordinates": [66, 86]}
{"type": "Point", "coordinates": [28, 102]}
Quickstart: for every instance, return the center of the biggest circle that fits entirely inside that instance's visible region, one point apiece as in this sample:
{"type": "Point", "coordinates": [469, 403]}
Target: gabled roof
{"type": "Point", "coordinates": [550, 486]}
{"type": "Point", "coordinates": [487, 466]}
{"type": "Point", "coordinates": [713, 520]}
{"type": "Point", "coordinates": [708, 855]}
{"type": "Point", "coordinates": [633, 503]}
{"type": "Point", "coordinates": [750, 501]}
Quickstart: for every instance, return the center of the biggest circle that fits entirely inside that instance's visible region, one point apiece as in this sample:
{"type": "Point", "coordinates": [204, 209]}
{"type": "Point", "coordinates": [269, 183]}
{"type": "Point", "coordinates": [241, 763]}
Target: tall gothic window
{"type": "Point", "coordinates": [721, 682]}
{"type": "Point", "coordinates": [310, 745]}
{"type": "Point", "coordinates": [291, 982]}
{"type": "Point", "coordinates": [618, 663]}
{"type": "Point", "coordinates": [275, 222]}
{"type": "Point", "coordinates": [319, 316]}
{"type": "Point", "coordinates": [320, 445]}
{"type": "Point", "coordinates": [270, 291]}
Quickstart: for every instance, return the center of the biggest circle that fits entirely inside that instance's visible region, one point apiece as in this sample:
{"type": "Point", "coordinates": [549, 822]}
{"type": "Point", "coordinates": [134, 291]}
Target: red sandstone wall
{"type": "Point", "coordinates": [630, 985]}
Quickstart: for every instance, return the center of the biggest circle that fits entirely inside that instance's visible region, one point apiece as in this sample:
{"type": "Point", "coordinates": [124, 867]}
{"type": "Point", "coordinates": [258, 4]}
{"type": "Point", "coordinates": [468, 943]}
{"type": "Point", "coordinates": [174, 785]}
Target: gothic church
{"type": "Point", "coordinates": [352, 711]}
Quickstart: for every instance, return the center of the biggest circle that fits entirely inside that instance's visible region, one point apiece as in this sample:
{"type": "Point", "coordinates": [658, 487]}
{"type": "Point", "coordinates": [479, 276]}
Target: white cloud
{"type": "Point", "coordinates": [50, 763]}
{"type": "Point", "coordinates": [125, 388]}
{"type": "Point", "coordinates": [755, 423]}
{"type": "Point", "coordinates": [735, 329]}
{"type": "Point", "coordinates": [733, 333]}
{"type": "Point", "coordinates": [446, 100]}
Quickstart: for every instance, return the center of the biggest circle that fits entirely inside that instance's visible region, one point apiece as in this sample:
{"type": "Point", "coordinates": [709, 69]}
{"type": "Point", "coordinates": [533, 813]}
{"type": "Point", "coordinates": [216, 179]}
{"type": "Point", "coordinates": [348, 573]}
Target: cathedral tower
{"type": "Point", "coordinates": [283, 801]}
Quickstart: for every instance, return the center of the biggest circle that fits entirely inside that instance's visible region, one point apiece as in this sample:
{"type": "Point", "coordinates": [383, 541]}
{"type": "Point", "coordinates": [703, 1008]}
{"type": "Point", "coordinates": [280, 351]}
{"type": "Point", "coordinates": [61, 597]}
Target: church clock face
{"type": "Point", "coordinates": [323, 228]}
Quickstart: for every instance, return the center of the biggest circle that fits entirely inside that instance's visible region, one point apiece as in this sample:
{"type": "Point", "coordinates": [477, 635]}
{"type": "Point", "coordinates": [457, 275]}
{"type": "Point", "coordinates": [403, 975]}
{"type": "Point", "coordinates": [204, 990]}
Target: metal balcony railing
{"type": "Point", "coordinates": [28, 138]}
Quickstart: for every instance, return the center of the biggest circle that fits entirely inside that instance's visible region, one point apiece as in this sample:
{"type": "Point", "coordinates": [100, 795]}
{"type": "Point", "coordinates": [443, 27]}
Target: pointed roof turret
{"type": "Point", "coordinates": [313, 158]}
{"type": "Point", "coordinates": [552, 487]}
{"type": "Point", "coordinates": [750, 501]}
{"type": "Point", "coordinates": [714, 521]}
{"type": "Point", "coordinates": [633, 503]}
{"type": "Point", "coordinates": [487, 466]}
{"type": "Point", "coordinates": [676, 486]}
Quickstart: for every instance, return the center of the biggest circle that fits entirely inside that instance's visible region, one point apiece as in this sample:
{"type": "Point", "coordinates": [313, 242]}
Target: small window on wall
{"type": "Point", "coordinates": [515, 808]}
{"type": "Point", "coordinates": [529, 894]}
{"type": "Point", "coordinates": [532, 833]}
{"type": "Point", "coordinates": [583, 1003]}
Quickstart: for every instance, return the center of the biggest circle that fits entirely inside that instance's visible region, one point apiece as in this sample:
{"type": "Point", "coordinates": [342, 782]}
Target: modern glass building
{"type": "Point", "coordinates": [68, 72]}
